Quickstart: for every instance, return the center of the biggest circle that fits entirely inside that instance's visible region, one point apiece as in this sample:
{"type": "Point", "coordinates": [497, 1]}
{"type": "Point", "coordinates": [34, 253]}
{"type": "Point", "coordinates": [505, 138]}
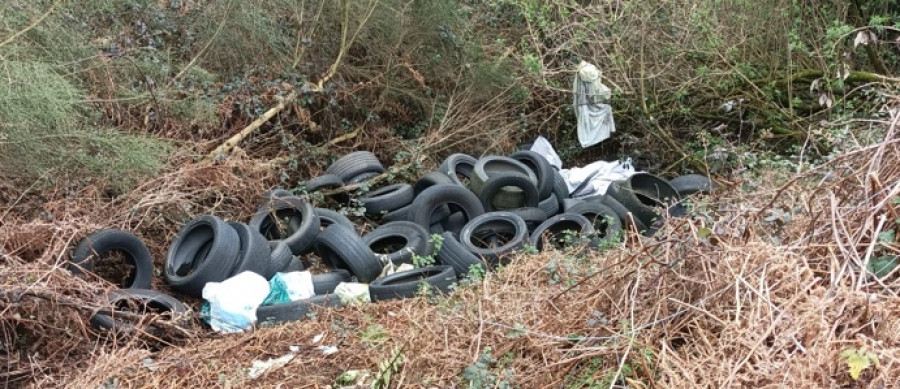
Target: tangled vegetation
{"type": "Point", "coordinates": [109, 110]}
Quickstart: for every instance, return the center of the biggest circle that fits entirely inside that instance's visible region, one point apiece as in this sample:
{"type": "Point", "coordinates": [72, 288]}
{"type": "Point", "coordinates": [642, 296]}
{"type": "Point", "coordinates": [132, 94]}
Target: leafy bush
{"type": "Point", "coordinates": [45, 132]}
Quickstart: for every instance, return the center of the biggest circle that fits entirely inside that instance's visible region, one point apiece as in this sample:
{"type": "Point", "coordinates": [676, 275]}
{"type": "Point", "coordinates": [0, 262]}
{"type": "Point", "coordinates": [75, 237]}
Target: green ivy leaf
{"type": "Point", "coordinates": [886, 236]}
{"type": "Point", "coordinates": [883, 265]}
{"type": "Point", "coordinates": [858, 360]}
{"type": "Point", "coordinates": [704, 233]}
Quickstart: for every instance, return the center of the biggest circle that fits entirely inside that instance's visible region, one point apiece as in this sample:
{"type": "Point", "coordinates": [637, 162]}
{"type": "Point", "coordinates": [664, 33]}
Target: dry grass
{"type": "Point", "coordinates": [753, 304]}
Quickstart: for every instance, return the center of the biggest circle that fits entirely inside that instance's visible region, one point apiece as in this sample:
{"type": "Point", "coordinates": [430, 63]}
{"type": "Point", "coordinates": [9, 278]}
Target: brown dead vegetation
{"type": "Point", "coordinates": [722, 299]}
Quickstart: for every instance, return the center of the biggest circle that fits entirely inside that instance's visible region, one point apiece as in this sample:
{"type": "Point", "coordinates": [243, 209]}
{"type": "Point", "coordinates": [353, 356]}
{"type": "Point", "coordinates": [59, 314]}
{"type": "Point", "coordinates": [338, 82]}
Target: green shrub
{"type": "Point", "coordinates": [44, 131]}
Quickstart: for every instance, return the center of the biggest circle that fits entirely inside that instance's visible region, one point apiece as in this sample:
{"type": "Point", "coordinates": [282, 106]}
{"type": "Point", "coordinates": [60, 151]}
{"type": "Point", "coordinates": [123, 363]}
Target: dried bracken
{"type": "Point", "coordinates": [738, 295]}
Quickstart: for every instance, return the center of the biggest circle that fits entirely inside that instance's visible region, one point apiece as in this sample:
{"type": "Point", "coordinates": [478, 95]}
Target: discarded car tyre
{"type": "Point", "coordinates": [291, 219]}
{"type": "Point", "coordinates": [328, 217]}
{"type": "Point", "coordinates": [355, 164]}
{"type": "Point", "coordinates": [489, 195]}
{"type": "Point", "coordinates": [139, 302]}
{"type": "Point", "coordinates": [532, 216]}
{"type": "Point", "coordinates": [205, 250]}
{"type": "Point", "coordinates": [399, 241]}
{"type": "Point", "coordinates": [294, 265]}
{"type": "Point", "coordinates": [428, 203]}
{"type": "Point", "coordinates": [689, 184]}
{"type": "Point", "coordinates": [254, 250]}
{"type": "Point", "coordinates": [560, 187]}
{"type": "Point", "coordinates": [643, 193]}
{"type": "Point", "coordinates": [625, 216]}
{"type": "Point", "coordinates": [493, 165]}
{"type": "Point", "coordinates": [360, 178]}
{"type": "Point", "coordinates": [323, 182]}
{"type": "Point", "coordinates": [326, 283]}
{"type": "Point", "coordinates": [606, 222]}
{"type": "Point", "coordinates": [541, 168]}
{"type": "Point", "coordinates": [340, 247]}
{"type": "Point", "coordinates": [386, 199]}
{"type": "Point", "coordinates": [279, 259]}
{"type": "Point", "coordinates": [453, 253]}
{"type": "Point", "coordinates": [459, 168]}
{"type": "Point", "coordinates": [294, 310]}
{"type": "Point", "coordinates": [102, 242]}
{"type": "Point", "coordinates": [431, 179]}
{"type": "Point", "coordinates": [406, 284]}
{"type": "Point", "coordinates": [564, 230]}
{"type": "Point", "coordinates": [550, 205]}
{"type": "Point", "coordinates": [494, 236]}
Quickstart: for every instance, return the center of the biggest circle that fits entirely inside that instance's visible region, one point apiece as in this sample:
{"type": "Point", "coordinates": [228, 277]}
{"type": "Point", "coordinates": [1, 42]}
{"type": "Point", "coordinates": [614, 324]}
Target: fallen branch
{"type": "Point", "coordinates": [222, 151]}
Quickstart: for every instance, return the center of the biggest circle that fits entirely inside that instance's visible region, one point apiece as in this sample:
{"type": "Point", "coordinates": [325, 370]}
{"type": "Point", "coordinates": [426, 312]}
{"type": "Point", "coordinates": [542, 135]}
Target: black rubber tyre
{"type": "Point", "coordinates": [326, 283]}
{"type": "Point", "coordinates": [101, 242]}
{"type": "Point", "coordinates": [560, 188]}
{"type": "Point", "coordinates": [569, 203]}
{"type": "Point", "coordinates": [360, 178]}
{"type": "Point", "coordinates": [541, 168]}
{"type": "Point", "coordinates": [550, 206]}
{"type": "Point", "coordinates": [135, 301]}
{"type": "Point", "coordinates": [255, 252]}
{"type": "Point", "coordinates": [642, 194]}
{"type": "Point", "coordinates": [275, 193]}
{"type": "Point", "coordinates": [481, 236]}
{"type": "Point", "coordinates": [294, 265]}
{"type": "Point", "coordinates": [406, 284]}
{"type": "Point", "coordinates": [427, 204]}
{"type": "Point", "coordinates": [431, 179]}
{"type": "Point", "coordinates": [558, 226]}
{"type": "Point", "coordinates": [355, 164]}
{"type": "Point", "coordinates": [279, 259]}
{"type": "Point", "coordinates": [294, 310]}
{"type": "Point", "coordinates": [606, 222]}
{"type": "Point", "coordinates": [328, 217]}
{"type": "Point", "coordinates": [205, 250]}
{"type": "Point", "coordinates": [532, 216]}
{"type": "Point", "coordinates": [342, 248]}
{"type": "Point", "coordinates": [689, 184]}
{"type": "Point", "coordinates": [401, 214]}
{"type": "Point", "coordinates": [459, 168]}
{"type": "Point", "coordinates": [399, 241]}
{"type": "Point", "coordinates": [453, 253]}
{"type": "Point", "coordinates": [325, 181]}
{"type": "Point", "coordinates": [625, 216]}
{"type": "Point", "coordinates": [654, 188]}
{"type": "Point", "coordinates": [493, 165]}
{"type": "Point", "coordinates": [492, 187]}
{"type": "Point", "coordinates": [388, 198]}
{"type": "Point", "coordinates": [291, 219]}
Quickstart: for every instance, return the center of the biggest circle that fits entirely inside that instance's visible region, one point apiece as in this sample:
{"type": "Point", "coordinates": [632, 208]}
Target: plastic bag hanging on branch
{"type": "Point", "coordinates": [595, 117]}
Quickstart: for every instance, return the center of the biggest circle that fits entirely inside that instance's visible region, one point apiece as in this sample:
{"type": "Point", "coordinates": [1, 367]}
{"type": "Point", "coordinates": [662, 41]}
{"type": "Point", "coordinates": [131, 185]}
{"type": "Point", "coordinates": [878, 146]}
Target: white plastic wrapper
{"type": "Point", "coordinates": [352, 293]}
{"type": "Point", "coordinates": [299, 285]}
{"type": "Point", "coordinates": [233, 302]}
{"type": "Point", "coordinates": [599, 174]}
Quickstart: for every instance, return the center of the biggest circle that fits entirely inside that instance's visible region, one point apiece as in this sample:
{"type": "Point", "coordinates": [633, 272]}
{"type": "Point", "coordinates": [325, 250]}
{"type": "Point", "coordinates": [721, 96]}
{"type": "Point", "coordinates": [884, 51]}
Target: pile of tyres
{"type": "Point", "coordinates": [484, 210]}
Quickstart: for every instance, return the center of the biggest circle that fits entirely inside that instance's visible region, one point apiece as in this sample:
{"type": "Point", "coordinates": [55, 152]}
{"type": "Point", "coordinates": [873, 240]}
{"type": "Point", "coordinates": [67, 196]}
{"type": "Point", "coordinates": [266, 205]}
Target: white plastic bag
{"type": "Point", "coordinates": [299, 284]}
{"type": "Point", "coordinates": [599, 174]}
{"type": "Point", "coordinates": [352, 293]}
{"type": "Point", "coordinates": [543, 147]}
{"type": "Point", "coordinates": [595, 117]}
{"type": "Point", "coordinates": [233, 302]}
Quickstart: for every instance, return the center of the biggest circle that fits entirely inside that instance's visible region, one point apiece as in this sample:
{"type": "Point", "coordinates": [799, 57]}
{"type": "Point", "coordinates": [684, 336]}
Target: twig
{"type": "Point", "coordinates": [205, 47]}
{"type": "Point", "coordinates": [220, 152]}
{"type": "Point", "coordinates": [32, 25]}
